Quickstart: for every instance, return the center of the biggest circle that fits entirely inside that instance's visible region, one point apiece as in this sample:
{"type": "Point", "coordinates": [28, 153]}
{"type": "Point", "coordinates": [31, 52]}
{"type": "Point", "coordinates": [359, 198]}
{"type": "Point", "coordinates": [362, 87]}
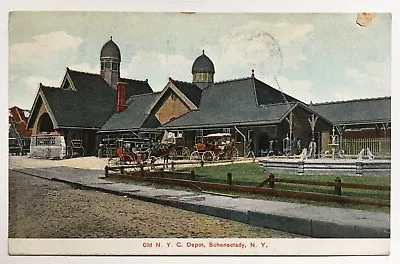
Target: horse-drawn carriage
{"type": "Point", "coordinates": [170, 147]}
{"type": "Point", "coordinates": [131, 151]}
{"type": "Point", "coordinates": [75, 149]}
{"type": "Point", "coordinates": [214, 147]}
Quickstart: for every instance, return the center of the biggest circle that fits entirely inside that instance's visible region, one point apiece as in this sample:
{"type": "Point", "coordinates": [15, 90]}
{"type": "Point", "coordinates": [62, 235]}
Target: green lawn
{"type": "Point", "coordinates": [252, 174]}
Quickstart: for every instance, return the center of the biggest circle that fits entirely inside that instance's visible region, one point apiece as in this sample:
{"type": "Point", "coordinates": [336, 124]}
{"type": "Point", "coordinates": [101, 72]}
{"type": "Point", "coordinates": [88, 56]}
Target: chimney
{"type": "Point", "coordinates": [121, 100]}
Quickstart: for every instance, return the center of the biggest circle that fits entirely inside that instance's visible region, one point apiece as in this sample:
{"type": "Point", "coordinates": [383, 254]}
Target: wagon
{"type": "Point", "coordinates": [75, 149]}
{"type": "Point", "coordinates": [170, 147]}
{"type": "Point", "coordinates": [214, 147]}
{"type": "Point", "coordinates": [130, 152]}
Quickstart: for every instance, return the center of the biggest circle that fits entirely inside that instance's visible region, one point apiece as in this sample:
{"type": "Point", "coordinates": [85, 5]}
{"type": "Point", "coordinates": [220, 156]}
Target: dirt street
{"type": "Point", "coordinates": [41, 208]}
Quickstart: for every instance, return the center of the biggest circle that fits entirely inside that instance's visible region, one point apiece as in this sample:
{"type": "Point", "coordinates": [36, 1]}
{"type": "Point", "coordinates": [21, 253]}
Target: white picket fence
{"type": "Point", "coordinates": [378, 146]}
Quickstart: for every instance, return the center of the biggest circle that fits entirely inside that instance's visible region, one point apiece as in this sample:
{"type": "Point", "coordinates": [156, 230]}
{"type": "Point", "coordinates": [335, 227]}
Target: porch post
{"type": "Point", "coordinates": [312, 120]}
{"type": "Point", "coordinates": [290, 121]}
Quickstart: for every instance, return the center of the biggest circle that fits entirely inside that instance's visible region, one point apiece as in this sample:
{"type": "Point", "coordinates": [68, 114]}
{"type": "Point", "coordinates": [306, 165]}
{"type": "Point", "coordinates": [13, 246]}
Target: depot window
{"type": "Point", "coordinates": [108, 65]}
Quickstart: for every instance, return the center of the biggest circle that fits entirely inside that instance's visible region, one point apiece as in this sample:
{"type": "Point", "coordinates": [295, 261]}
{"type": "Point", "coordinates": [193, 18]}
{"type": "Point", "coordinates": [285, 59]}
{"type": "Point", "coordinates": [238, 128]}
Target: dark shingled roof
{"type": "Point", "coordinates": [268, 95]}
{"type": "Point", "coordinates": [190, 90]}
{"type": "Point", "coordinates": [203, 64]}
{"type": "Point", "coordinates": [235, 102]}
{"type": "Point", "coordinates": [134, 116]}
{"type": "Point", "coordinates": [134, 87]}
{"type": "Point", "coordinates": [110, 50]}
{"type": "Point", "coordinates": [93, 102]}
{"type": "Point", "coordinates": [77, 109]}
{"type": "Point", "coordinates": [360, 111]}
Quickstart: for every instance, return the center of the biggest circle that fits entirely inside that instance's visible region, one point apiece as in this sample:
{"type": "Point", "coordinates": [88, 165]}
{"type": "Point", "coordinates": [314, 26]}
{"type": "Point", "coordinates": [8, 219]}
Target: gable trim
{"type": "Point", "coordinates": [47, 106]}
{"type": "Point", "coordinates": [290, 109]}
{"type": "Point", "coordinates": [33, 108]}
{"type": "Point", "coordinates": [304, 106]}
{"type": "Point", "coordinates": [67, 78]}
{"type": "Point", "coordinates": [180, 94]}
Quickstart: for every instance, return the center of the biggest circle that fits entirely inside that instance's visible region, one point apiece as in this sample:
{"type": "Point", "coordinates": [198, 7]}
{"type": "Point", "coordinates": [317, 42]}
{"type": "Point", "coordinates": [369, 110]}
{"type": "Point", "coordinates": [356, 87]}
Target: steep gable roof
{"type": "Point", "coordinates": [133, 117]}
{"type": "Point", "coordinates": [237, 102]}
{"type": "Point", "coordinates": [266, 94]}
{"type": "Point", "coordinates": [40, 100]}
{"type": "Point", "coordinates": [90, 104]}
{"type": "Point", "coordinates": [80, 109]}
{"type": "Point", "coordinates": [360, 111]}
{"type": "Point", "coordinates": [182, 91]}
{"type": "Point", "coordinates": [190, 90]}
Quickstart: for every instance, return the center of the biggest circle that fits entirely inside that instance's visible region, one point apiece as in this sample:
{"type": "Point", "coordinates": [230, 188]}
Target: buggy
{"type": "Point", "coordinates": [75, 149]}
{"type": "Point", "coordinates": [130, 151]}
{"type": "Point", "coordinates": [169, 147]}
{"type": "Point", "coordinates": [214, 147]}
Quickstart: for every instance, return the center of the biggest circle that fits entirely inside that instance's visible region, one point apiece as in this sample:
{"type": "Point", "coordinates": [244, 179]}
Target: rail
{"type": "Point", "coordinates": [189, 180]}
{"type": "Point", "coordinates": [142, 166]}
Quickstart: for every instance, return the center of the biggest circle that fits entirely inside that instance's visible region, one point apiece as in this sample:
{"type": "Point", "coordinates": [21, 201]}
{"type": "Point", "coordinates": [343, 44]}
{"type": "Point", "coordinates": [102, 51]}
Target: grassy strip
{"type": "Point", "coordinates": [252, 174]}
{"type": "Point", "coordinates": [257, 196]}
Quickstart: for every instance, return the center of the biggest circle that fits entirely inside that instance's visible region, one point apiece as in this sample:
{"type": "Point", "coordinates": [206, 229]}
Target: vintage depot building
{"type": "Point", "coordinates": [95, 106]}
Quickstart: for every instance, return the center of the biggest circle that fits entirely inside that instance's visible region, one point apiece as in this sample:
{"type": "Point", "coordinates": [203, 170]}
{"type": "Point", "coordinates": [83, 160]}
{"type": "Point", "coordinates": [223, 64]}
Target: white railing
{"type": "Point", "coordinates": [378, 146]}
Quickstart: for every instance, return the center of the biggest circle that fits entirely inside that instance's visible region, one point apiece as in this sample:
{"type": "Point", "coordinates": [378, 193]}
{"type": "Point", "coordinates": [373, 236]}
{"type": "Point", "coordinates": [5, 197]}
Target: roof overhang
{"type": "Point", "coordinates": [361, 123]}
{"type": "Point", "coordinates": [127, 130]}
{"type": "Point", "coordinates": [222, 125]}
{"type": "Point", "coordinates": [82, 128]}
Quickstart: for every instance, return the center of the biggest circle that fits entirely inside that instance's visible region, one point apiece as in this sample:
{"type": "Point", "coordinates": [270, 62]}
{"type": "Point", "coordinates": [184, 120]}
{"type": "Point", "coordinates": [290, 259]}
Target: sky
{"type": "Point", "coordinates": [314, 57]}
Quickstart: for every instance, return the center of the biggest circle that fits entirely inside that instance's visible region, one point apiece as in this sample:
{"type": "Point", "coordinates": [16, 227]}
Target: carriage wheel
{"type": "Point", "coordinates": [146, 158]}
{"type": "Point", "coordinates": [173, 154]}
{"type": "Point", "coordinates": [114, 161]}
{"type": "Point", "coordinates": [234, 153]}
{"type": "Point", "coordinates": [127, 160]}
{"type": "Point", "coordinates": [186, 153]}
{"type": "Point", "coordinates": [153, 159]}
{"type": "Point", "coordinates": [81, 151]}
{"type": "Point", "coordinates": [208, 156]}
{"type": "Point", "coordinates": [69, 153]}
{"type": "Point", "coordinates": [195, 155]}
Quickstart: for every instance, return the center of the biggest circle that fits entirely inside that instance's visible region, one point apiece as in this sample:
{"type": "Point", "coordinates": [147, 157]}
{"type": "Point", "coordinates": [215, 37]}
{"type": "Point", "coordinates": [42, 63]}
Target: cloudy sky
{"type": "Point", "coordinates": [313, 57]}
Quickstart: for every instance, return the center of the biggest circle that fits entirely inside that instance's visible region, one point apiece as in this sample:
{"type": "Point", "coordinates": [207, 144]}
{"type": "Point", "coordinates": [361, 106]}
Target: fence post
{"type": "Point", "coordinates": [271, 181]}
{"type": "Point", "coordinates": [338, 187]}
{"type": "Point", "coordinates": [229, 178]}
{"type": "Point", "coordinates": [202, 163]}
{"type": "Point", "coordinates": [172, 165]}
{"type": "Point", "coordinates": [359, 167]}
{"type": "Point", "coordinates": [106, 170]}
{"type": "Point", "coordinates": [192, 175]}
{"type": "Point", "coordinates": [300, 167]}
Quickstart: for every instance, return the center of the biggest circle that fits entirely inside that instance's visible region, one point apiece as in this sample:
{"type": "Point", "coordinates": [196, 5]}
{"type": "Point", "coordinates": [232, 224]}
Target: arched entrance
{"type": "Point", "coordinates": [45, 124]}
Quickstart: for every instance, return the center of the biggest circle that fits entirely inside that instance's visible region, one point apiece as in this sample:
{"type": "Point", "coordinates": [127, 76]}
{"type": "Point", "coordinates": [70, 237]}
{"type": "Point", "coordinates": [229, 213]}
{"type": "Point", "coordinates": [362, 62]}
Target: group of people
{"type": "Point", "coordinates": [289, 147]}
